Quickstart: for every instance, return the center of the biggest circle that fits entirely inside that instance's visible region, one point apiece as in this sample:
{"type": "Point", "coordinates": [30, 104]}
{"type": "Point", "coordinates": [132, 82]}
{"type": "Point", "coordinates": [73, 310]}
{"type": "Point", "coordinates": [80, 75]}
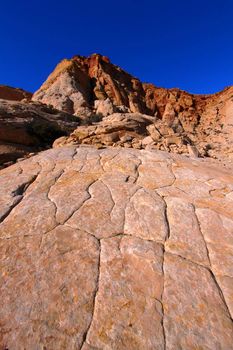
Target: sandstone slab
{"type": "Point", "coordinates": [113, 249]}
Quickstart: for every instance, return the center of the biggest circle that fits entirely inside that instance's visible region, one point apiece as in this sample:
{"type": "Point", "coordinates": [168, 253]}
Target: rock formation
{"type": "Point", "coordinates": [76, 84]}
{"type": "Point", "coordinates": [107, 242]}
{"type": "Point", "coordinates": [210, 135]}
{"type": "Point", "coordinates": [29, 127]}
{"type": "Point", "coordinates": [93, 88]}
{"type": "Point", "coordinates": [116, 249]}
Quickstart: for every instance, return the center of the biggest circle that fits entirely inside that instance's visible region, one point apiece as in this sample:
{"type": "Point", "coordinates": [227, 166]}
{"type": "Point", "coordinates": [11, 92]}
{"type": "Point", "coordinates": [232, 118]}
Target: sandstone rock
{"type": "Point", "coordinates": [60, 142]}
{"type": "Point", "coordinates": [193, 152]}
{"type": "Point", "coordinates": [116, 249]}
{"type": "Point", "coordinates": [76, 83]}
{"type": "Point", "coordinates": [173, 140]}
{"type": "Point", "coordinates": [26, 128]}
{"type": "Point", "coordinates": [128, 315]}
{"type": "Point", "coordinates": [68, 88]}
{"type": "Point", "coordinates": [148, 140]}
{"type": "Point", "coordinates": [154, 132]}
{"type": "Point", "coordinates": [92, 87]}
{"type": "Point", "coordinates": [14, 94]}
{"type": "Point", "coordinates": [194, 309]}
{"type": "Point", "coordinates": [169, 114]}
{"type": "Point", "coordinates": [104, 107]}
{"type": "Point", "coordinates": [118, 128]}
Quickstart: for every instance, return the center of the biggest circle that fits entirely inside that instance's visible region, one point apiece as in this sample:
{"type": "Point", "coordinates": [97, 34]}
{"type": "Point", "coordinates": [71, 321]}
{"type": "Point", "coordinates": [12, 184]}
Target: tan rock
{"type": "Point", "coordinates": [154, 133]}
{"type": "Point", "coordinates": [147, 141]}
{"type": "Point", "coordinates": [116, 248]}
{"type": "Point", "coordinates": [56, 278]}
{"type": "Point", "coordinates": [193, 151]}
{"type": "Point", "coordinates": [92, 87]}
{"type": "Point", "coordinates": [128, 308]}
{"type": "Point", "coordinates": [195, 316]}
{"type": "Point", "coordinates": [169, 114]}
{"type": "Point", "coordinates": [185, 238]}
{"type": "Point", "coordinates": [104, 107]}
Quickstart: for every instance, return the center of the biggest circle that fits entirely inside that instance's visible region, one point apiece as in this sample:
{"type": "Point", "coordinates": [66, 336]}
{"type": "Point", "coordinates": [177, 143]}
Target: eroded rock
{"type": "Point", "coordinates": [30, 127]}
{"type": "Point", "coordinates": [116, 249]}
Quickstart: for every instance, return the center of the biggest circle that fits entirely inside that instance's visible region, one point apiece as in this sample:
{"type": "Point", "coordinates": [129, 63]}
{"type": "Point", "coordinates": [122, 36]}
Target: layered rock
{"type": "Point", "coordinates": [212, 136]}
{"type": "Point", "coordinates": [129, 249]}
{"type": "Point", "coordinates": [76, 84]}
{"type": "Point", "coordinates": [93, 88]}
{"type": "Point", "coordinates": [29, 127]}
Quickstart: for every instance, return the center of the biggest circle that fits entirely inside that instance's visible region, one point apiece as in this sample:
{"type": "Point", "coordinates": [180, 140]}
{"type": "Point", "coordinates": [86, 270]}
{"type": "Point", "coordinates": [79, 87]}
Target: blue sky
{"type": "Point", "coordinates": [186, 44]}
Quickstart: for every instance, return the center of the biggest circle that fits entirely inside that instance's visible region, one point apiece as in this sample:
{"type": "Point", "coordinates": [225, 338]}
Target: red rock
{"type": "Point", "coordinates": [86, 86]}
{"type": "Point", "coordinates": [14, 94]}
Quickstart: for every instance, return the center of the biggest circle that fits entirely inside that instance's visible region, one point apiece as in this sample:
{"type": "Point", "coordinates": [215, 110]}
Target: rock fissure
{"type": "Point", "coordinates": [85, 337]}
{"type": "Point", "coordinates": [187, 259]}
{"type": "Point", "coordinates": [83, 202]}
{"type": "Point", "coordinates": [121, 235]}
{"type": "Point", "coordinates": [85, 231]}
{"type": "Point", "coordinates": [107, 278]}
{"type": "Point", "coordinates": [162, 303]}
{"type": "Point", "coordinates": [20, 192]}
{"type": "Point", "coordinates": [221, 295]}
{"type": "Point", "coordinates": [113, 203]}
{"type": "Point", "coordinates": [137, 171]}
{"type": "Point", "coordinates": [213, 277]}
{"type": "Point", "coordinates": [108, 161]}
{"type": "Point", "coordinates": [48, 193]}
{"type": "Point", "coordinates": [211, 270]}
{"type": "Point", "coordinates": [203, 237]}
{"type": "Point", "coordinates": [163, 269]}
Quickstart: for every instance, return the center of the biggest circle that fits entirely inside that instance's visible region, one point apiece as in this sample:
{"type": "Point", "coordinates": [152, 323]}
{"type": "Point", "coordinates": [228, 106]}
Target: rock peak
{"type": "Point", "coordinates": [92, 88]}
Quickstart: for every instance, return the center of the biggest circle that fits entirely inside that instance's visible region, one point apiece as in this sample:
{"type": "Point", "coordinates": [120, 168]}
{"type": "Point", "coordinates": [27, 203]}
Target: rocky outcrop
{"type": "Point", "coordinates": [118, 129]}
{"type": "Point", "coordinates": [105, 241]}
{"type": "Point", "coordinates": [14, 94]}
{"type": "Point", "coordinates": [129, 249]}
{"type": "Point", "coordinates": [76, 84]}
{"type": "Point", "coordinates": [30, 127]}
{"type": "Point", "coordinates": [93, 88]}
{"type": "Point", "coordinates": [210, 136]}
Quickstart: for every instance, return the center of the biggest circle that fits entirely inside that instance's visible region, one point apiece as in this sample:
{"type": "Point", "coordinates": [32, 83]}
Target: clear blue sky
{"type": "Point", "coordinates": [180, 43]}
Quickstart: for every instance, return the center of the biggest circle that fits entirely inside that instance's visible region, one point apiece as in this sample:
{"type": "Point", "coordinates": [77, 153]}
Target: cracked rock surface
{"type": "Point", "coordinates": [116, 249]}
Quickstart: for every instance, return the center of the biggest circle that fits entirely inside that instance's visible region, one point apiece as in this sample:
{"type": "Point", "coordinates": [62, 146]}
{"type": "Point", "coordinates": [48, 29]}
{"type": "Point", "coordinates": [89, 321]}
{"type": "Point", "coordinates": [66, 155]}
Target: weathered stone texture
{"type": "Point", "coordinates": [116, 249]}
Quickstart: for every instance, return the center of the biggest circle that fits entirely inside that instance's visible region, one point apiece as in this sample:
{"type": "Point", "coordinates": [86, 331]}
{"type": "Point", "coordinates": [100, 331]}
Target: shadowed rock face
{"type": "Point", "coordinates": [116, 249]}
{"type": "Point", "coordinates": [14, 94]}
{"type": "Point", "coordinates": [29, 127]}
{"type": "Point", "coordinates": [93, 88]}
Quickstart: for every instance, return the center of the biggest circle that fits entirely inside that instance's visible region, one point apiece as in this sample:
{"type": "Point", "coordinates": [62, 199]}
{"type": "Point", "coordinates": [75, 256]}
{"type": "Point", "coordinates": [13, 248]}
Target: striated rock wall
{"type": "Point", "coordinates": [116, 249]}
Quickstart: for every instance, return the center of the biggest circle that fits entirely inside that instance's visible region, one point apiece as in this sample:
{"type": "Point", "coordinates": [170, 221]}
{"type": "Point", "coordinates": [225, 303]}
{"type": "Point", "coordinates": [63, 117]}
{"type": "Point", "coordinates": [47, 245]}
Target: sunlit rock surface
{"type": "Point", "coordinates": [116, 249]}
